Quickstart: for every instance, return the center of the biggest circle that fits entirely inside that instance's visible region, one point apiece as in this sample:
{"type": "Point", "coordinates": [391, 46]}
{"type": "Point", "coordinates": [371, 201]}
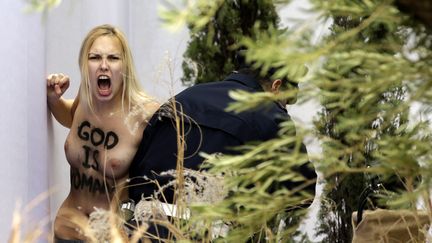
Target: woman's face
{"type": "Point", "coordinates": [105, 66]}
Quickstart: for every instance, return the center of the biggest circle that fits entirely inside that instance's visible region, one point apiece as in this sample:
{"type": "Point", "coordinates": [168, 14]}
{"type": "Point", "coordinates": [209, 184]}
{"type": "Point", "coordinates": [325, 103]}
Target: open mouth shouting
{"type": "Point", "coordinates": [104, 85]}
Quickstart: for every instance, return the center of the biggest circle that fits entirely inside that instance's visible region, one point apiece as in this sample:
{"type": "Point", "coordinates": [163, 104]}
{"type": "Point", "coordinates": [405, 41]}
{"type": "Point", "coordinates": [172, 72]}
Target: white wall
{"type": "Point", "coordinates": [23, 123]}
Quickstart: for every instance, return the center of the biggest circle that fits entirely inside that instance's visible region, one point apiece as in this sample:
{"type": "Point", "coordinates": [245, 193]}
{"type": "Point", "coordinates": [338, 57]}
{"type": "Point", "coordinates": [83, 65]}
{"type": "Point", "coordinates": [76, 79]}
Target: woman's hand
{"type": "Point", "coordinates": [62, 109]}
{"type": "Point", "coordinates": [57, 84]}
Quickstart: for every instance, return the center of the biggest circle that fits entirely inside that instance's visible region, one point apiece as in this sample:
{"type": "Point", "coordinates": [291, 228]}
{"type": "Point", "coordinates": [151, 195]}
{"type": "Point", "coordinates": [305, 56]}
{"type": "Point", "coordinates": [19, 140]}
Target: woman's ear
{"type": "Point", "coordinates": [276, 84]}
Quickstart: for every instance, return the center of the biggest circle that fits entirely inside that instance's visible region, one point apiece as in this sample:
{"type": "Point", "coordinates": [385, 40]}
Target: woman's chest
{"type": "Point", "coordinates": [102, 148]}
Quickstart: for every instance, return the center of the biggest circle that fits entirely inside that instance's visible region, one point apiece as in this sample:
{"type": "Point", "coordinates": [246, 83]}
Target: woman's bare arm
{"type": "Point", "coordinates": [61, 108]}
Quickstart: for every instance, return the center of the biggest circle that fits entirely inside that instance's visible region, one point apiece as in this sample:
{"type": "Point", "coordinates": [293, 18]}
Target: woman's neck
{"type": "Point", "coordinates": [110, 108]}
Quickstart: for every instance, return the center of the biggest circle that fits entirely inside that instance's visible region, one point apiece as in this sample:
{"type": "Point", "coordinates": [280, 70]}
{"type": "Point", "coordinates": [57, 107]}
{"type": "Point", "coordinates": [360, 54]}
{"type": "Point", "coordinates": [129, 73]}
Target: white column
{"type": "Point", "coordinates": [23, 126]}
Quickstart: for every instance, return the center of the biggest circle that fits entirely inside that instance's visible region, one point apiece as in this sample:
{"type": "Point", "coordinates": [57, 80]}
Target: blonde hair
{"type": "Point", "coordinates": [132, 91]}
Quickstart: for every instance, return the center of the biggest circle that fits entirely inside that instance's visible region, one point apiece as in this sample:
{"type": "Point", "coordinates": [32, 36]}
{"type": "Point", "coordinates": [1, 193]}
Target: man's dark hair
{"type": "Point", "coordinates": [265, 78]}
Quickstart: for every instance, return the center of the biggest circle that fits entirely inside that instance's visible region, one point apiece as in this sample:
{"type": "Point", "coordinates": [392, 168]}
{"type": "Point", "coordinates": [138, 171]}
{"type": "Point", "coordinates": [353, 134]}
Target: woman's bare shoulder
{"type": "Point", "coordinates": [141, 112]}
{"type": "Point", "coordinates": [149, 106]}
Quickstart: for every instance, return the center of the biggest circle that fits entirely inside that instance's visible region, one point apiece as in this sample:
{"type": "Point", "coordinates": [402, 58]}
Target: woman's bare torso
{"type": "Point", "coordinates": [99, 151]}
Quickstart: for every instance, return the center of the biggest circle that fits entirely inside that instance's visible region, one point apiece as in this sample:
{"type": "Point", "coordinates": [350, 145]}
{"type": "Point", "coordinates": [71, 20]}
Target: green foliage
{"type": "Point", "coordinates": [41, 5]}
{"type": "Point", "coordinates": [216, 30]}
{"type": "Point", "coordinates": [366, 103]}
{"type": "Point", "coordinates": [257, 200]}
{"type": "Point", "coordinates": [370, 72]}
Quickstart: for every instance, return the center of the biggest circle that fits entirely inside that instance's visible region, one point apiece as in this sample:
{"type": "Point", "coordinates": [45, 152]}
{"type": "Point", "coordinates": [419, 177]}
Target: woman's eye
{"type": "Point", "coordinates": [94, 57]}
{"type": "Point", "coordinates": [114, 58]}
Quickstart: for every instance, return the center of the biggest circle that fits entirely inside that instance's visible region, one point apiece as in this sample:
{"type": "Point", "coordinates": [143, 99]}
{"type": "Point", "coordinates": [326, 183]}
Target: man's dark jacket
{"type": "Point", "coordinates": [208, 128]}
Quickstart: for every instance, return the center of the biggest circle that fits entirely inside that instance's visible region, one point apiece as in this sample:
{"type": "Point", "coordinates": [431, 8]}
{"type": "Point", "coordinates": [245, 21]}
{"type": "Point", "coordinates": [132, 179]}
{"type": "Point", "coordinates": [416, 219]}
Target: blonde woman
{"type": "Point", "coordinates": [106, 123]}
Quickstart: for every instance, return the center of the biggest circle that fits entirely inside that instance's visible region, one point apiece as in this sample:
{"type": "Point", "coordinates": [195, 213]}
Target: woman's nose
{"type": "Point", "coordinates": [104, 64]}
